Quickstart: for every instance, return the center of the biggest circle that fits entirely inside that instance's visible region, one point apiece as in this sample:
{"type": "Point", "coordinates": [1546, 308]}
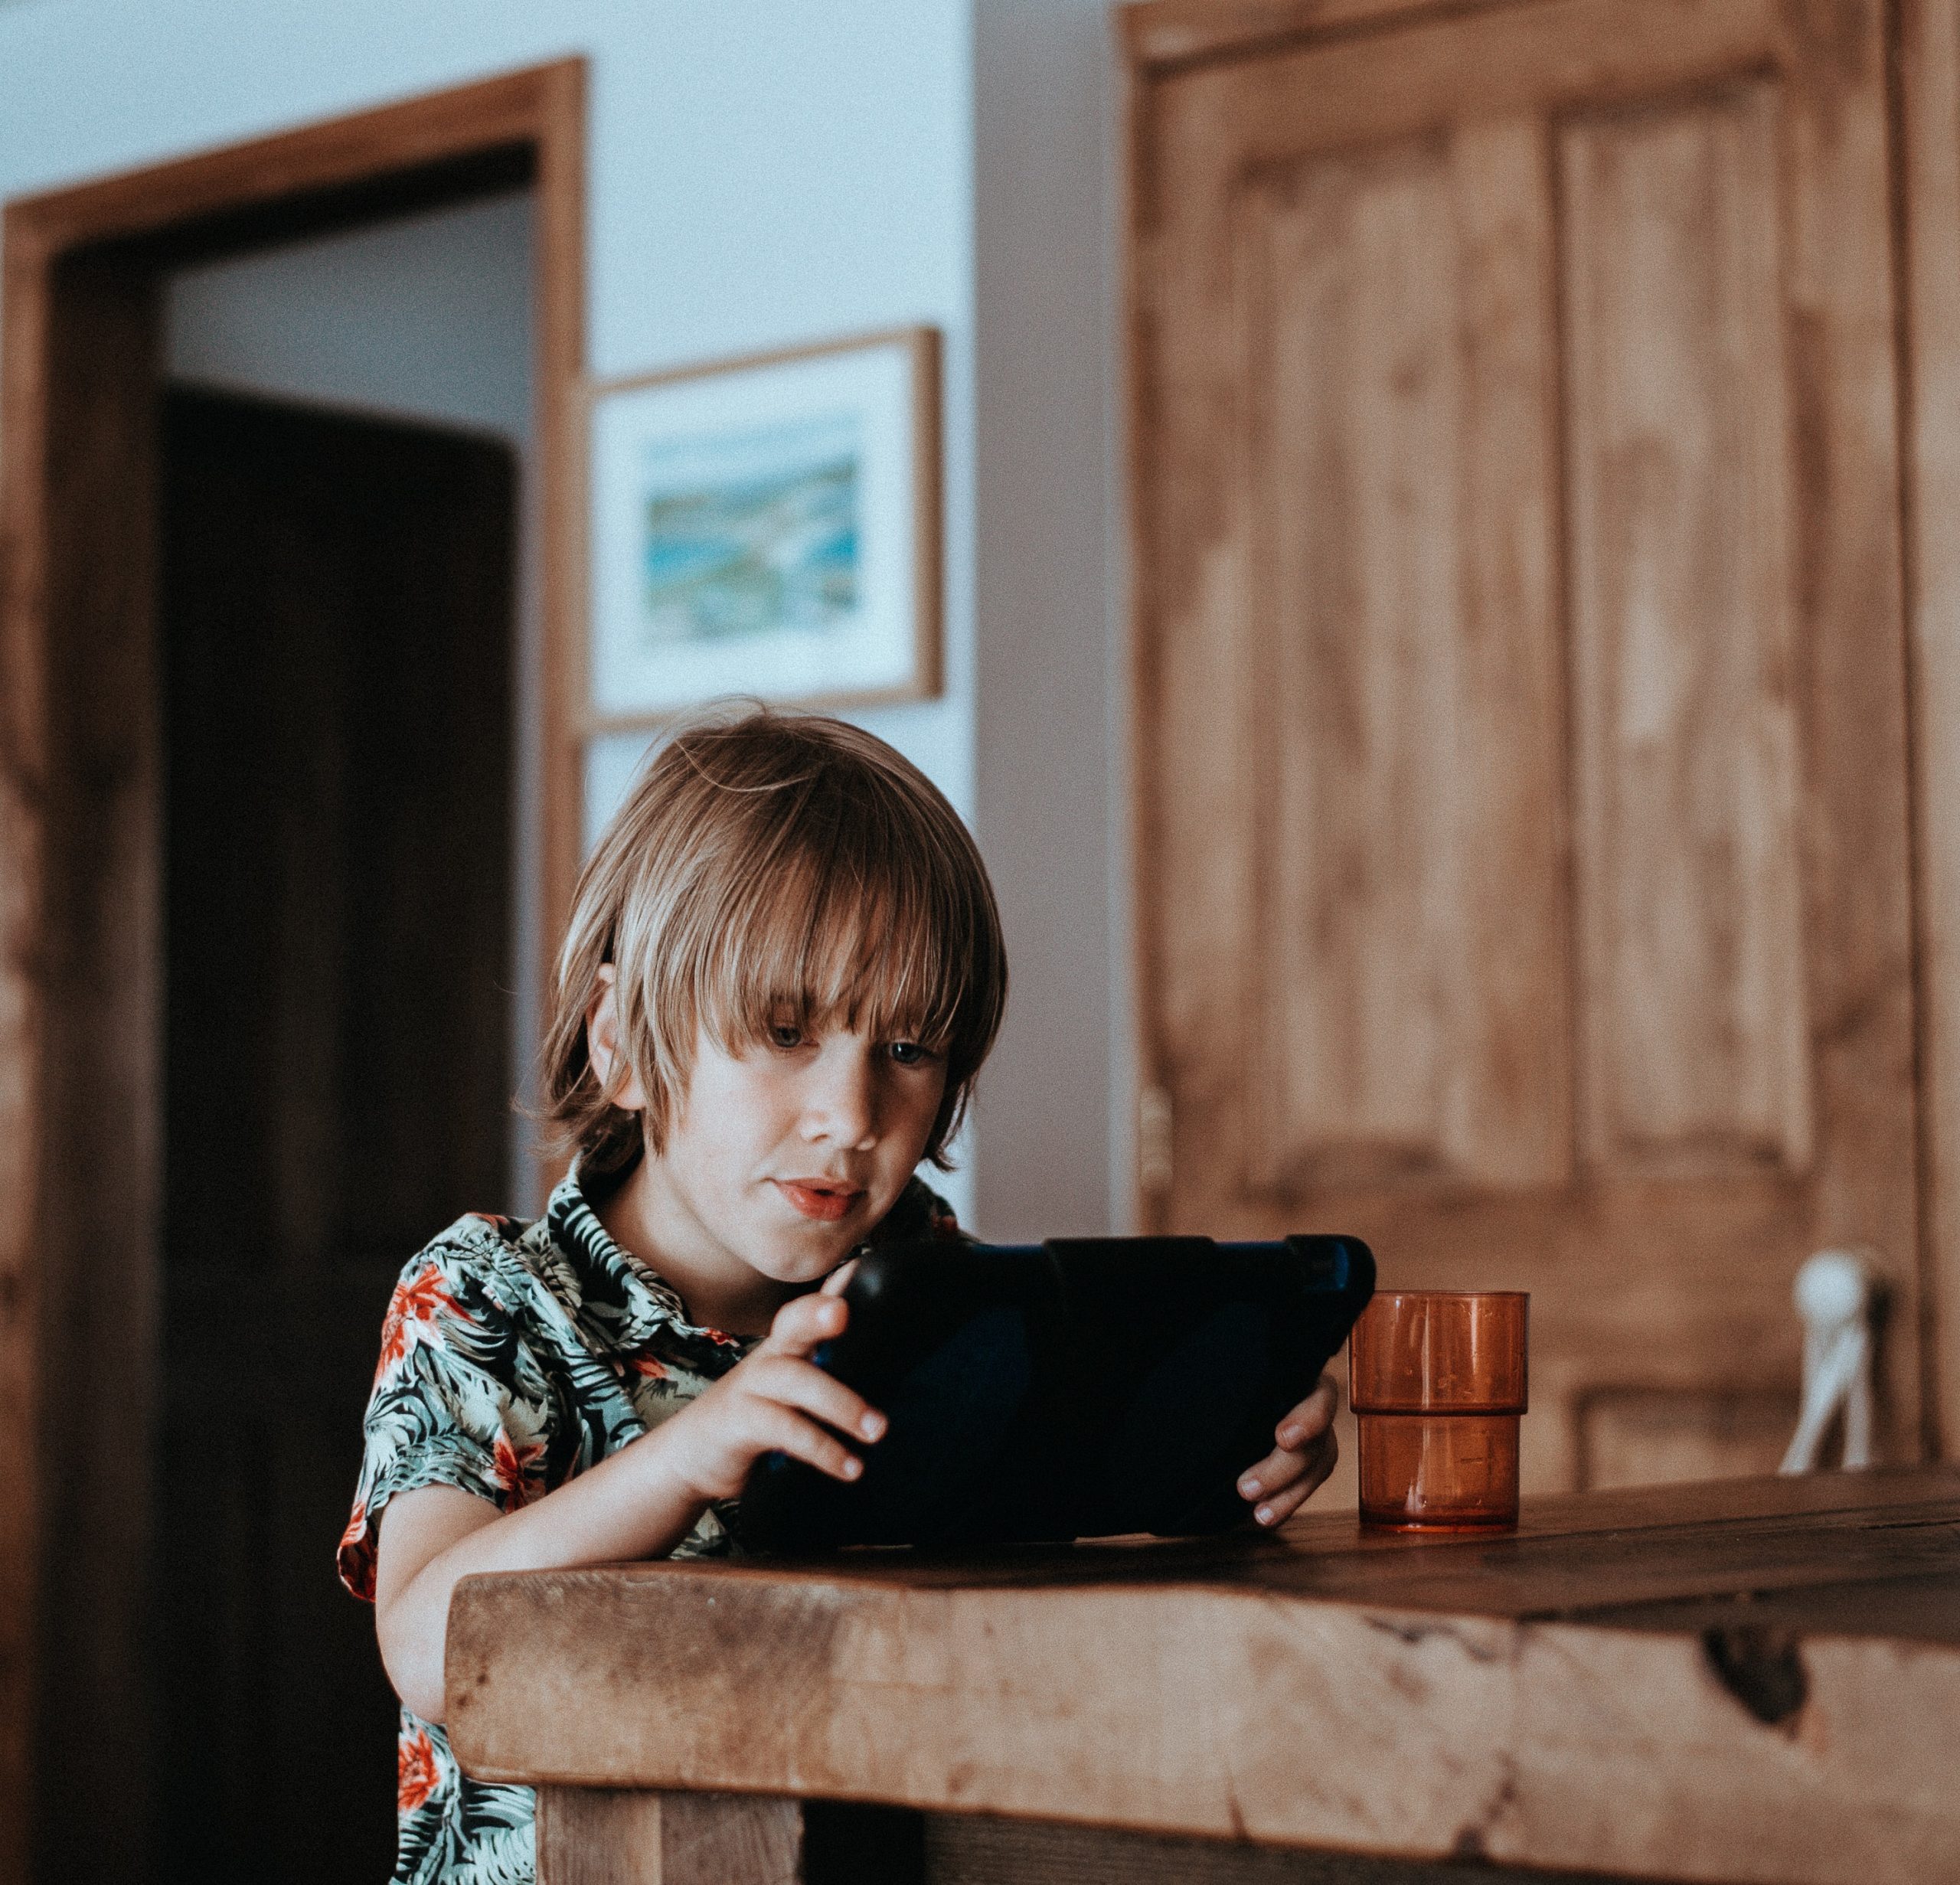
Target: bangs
{"type": "Point", "coordinates": [835, 929]}
{"type": "Point", "coordinates": [767, 870]}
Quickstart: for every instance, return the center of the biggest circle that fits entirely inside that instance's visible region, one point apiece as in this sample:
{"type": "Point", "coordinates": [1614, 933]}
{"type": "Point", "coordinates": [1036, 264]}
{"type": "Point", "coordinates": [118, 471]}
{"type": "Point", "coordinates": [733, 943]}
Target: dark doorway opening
{"type": "Point", "coordinates": [335, 616]}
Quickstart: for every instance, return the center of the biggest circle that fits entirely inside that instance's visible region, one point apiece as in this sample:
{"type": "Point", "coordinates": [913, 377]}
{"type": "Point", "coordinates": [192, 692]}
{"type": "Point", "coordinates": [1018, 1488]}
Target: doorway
{"type": "Point", "coordinates": [294, 826]}
{"type": "Point", "coordinates": [335, 612]}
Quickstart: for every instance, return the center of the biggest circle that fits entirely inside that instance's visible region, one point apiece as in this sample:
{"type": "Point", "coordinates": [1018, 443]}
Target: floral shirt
{"type": "Point", "coordinates": [514, 1356]}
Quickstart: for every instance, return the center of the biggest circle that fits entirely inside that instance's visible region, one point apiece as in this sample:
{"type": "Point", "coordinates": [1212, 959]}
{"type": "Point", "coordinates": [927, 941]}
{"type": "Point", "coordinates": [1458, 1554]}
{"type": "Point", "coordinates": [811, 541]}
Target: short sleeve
{"type": "Point", "coordinates": [451, 1404]}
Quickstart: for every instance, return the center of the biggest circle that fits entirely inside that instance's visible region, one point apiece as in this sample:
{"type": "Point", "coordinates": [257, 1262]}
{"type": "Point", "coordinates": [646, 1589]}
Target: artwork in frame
{"type": "Point", "coordinates": [767, 527]}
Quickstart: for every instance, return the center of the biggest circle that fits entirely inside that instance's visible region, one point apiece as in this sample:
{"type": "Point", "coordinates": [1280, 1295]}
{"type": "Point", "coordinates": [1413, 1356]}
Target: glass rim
{"type": "Point", "coordinates": [1452, 1295]}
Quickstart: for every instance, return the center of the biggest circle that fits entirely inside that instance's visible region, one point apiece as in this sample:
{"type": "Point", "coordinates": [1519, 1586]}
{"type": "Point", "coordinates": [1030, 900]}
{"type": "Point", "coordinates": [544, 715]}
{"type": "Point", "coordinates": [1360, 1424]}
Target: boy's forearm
{"type": "Point", "coordinates": [633, 1505]}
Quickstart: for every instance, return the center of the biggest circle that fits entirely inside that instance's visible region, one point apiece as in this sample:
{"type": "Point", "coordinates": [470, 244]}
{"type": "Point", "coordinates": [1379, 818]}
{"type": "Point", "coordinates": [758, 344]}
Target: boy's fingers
{"type": "Point", "coordinates": [1282, 1505]}
{"type": "Point", "coordinates": [1312, 1417]}
{"type": "Point", "coordinates": [803, 1323]}
{"type": "Point", "coordinates": [1284, 1466]}
{"type": "Point", "coordinates": [790, 1383]}
{"type": "Point", "coordinates": [835, 1283]}
{"type": "Point", "coordinates": [1284, 1500]}
{"type": "Point", "coordinates": [781, 1430]}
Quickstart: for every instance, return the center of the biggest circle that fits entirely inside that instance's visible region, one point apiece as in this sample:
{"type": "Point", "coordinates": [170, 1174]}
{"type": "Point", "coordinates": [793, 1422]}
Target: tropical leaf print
{"type": "Point", "coordinates": [513, 1357]}
{"type": "Point", "coordinates": [412, 1310]}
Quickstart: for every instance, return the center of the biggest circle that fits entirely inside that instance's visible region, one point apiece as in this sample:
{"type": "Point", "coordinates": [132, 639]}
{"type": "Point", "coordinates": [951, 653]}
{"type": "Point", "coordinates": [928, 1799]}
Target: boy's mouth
{"type": "Point", "coordinates": [820, 1198]}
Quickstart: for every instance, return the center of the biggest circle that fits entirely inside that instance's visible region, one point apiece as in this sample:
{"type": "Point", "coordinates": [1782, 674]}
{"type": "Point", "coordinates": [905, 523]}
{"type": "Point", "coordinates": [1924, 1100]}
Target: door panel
{"type": "Point", "coordinates": [1633, 1437]}
{"type": "Point", "coordinates": [1687, 775]}
{"type": "Point", "coordinates": [1521, 686]}
{"type": "Point", "coordinates": [1399, 619]}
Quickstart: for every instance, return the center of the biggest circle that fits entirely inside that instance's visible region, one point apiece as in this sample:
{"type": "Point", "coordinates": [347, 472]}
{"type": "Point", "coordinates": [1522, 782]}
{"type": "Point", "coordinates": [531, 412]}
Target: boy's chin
{"type": "Point", "coordinates": [805, 1253]}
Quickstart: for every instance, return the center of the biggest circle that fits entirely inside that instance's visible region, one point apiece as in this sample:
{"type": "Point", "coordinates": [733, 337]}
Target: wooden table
{"type": "Point", "coordinates": [1759, 1680]}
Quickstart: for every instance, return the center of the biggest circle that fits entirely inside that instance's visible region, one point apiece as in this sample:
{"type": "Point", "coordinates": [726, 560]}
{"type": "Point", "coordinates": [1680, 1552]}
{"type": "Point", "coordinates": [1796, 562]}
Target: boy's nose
{"type": "Point", "coordinates": [841, 1106]}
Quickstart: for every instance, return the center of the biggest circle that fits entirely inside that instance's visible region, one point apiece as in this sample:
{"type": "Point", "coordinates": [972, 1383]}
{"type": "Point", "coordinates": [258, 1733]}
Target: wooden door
{"type": "Point", "coordinates": [1520, 686]}
{"type": "Point", "coordinates": [335, 619]}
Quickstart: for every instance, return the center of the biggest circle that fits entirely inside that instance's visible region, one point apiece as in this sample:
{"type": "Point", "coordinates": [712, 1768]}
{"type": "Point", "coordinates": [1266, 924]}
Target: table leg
{"type": "Point", "coordinates": [616, 1836]}
{"type": "Point", "coordinates": [601, 1836]}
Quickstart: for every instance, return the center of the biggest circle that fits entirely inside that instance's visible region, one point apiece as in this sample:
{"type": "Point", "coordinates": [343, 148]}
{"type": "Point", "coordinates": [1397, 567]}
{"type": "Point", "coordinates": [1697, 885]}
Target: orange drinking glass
{"type": "Point", "coordinates": [1437, 1380]}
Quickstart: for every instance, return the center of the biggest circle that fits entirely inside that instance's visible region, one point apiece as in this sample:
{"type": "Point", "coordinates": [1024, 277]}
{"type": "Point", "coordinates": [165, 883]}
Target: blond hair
{"type": "Point", "coordinates": [766, 868]}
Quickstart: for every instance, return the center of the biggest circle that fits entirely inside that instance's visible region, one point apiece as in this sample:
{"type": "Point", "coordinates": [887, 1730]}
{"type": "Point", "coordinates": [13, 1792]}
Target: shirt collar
{"type": "Point", "coordinates": [630, 1302]}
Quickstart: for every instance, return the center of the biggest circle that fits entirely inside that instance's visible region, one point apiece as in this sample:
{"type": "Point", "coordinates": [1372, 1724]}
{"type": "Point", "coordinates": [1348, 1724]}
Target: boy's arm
{"type": "Point", "coordinates": [627, 1507]}
{"type": "Point", "coordinates": [639, 1504]}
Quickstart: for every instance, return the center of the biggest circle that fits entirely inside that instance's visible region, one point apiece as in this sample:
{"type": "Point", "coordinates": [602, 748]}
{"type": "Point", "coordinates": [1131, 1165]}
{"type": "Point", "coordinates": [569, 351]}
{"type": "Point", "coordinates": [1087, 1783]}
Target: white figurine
{"type": "Point", "coordinates": [1834, 1293]}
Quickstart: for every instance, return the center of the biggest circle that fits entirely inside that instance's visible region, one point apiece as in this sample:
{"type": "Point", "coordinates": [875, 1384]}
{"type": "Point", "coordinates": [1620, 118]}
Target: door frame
{"type": "Point", "coordinates": [1927, 229]}
{"type": "Point", "coordinates": [1158, 40]}
{"type": "Point", "coordinates": [80, 877]}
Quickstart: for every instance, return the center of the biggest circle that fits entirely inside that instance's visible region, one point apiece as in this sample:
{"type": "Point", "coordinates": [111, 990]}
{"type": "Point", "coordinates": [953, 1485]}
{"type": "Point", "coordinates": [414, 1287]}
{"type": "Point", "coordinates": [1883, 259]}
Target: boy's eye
{"type": "Point", "coordinates": [785, 1035]}
{"type": "Point", "coordinates": [909, 1053]}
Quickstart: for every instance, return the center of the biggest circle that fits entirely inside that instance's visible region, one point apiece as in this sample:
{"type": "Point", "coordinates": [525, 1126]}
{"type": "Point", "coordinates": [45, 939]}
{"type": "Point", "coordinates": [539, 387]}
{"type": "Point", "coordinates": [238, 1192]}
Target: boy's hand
{"type": "Point", "coordinates": [775, 1400]}
{"type": "Point", "coordinates": [1303, 1457]}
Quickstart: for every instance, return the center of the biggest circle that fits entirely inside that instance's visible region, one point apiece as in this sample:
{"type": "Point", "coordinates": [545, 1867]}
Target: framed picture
{"type": "Point", "coordinates": [768, 527]}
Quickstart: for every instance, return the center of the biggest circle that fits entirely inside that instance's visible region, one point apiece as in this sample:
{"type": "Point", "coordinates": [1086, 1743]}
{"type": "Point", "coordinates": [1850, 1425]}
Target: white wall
{"type": "Point", "coordinates": [762, 173]}
{"type": "Point", "coordinates": [1054, 1127]}
{"type": "Point", "coordinates": [426, 317]}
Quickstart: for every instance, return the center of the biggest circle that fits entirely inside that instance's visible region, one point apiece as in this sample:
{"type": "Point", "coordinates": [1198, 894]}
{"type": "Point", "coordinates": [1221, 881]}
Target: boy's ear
{"type": "Point", "coordinates": [616, 1078]}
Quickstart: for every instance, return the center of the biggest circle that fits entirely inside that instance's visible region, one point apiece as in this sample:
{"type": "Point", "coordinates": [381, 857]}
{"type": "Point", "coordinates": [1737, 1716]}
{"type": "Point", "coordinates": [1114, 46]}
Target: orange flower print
{"type": "Point", "coordinates": [647, 1367]}
{"type": "Point", "coordinates": [412, 1313]}
{"type": "Point", "coordinates": [513, 1470]}
{"type": "Point", "coordinates": [415, 1771]}
{"type": "Point", "coordinates": [354, 1558]}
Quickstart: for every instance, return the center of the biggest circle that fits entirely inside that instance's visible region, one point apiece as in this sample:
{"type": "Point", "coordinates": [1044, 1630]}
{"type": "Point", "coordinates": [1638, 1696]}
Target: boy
{"type": "Point", "coordinates": [784, 970]}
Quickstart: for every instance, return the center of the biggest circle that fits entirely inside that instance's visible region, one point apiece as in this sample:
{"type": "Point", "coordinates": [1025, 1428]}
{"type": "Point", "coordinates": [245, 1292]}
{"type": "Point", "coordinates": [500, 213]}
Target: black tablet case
{"type": "Point", "coordinates": [1081, 1388]}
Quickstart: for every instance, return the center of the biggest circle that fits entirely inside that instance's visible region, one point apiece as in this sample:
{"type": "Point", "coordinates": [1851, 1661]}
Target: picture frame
{"type": "Point", "coordinates": [767, 527]}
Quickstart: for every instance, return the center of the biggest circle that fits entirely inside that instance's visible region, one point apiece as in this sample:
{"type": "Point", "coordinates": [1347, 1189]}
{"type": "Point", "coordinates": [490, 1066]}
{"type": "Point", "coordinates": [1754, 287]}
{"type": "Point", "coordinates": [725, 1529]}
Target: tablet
{"type": "Point", "coordinates": [1083, 1388]}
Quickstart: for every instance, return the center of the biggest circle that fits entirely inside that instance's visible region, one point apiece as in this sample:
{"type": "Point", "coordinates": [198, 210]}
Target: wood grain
{"type": "Point", "coordinates": [1168, 33]}
{"type": "Point", "coordinates": [1386, 1696]}
{"type": "Point", "coordinates": [558, 137]}
{"type": "Point", "coordinates": [79, 1114]}
{"type": "Point", "coordinates": [183, 205]}
{"type": "Point", "coordinates": [1353, 590]}
{"type": "Point", "coordinates": [1684, 592]}
{"type": "Point", "coordinates": [1519, 677]}
{"type": "Point", "coordinates": [1635, 1436]}
{"type": "Point", "coordinates": [24, 739]}
{"type": "Point", "coordinates": [96, 964]}
{"type": "Point", "coordinates": [1930, 62]}
{"type": "Point", "coordinates": [1407, 845]}
{"type": "Point", "coordinates": [606, 1836]}
{"type": "Point", "coordinates": [975, 1850]}
{"type": "Point", "coordinates": [599, 1836]}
